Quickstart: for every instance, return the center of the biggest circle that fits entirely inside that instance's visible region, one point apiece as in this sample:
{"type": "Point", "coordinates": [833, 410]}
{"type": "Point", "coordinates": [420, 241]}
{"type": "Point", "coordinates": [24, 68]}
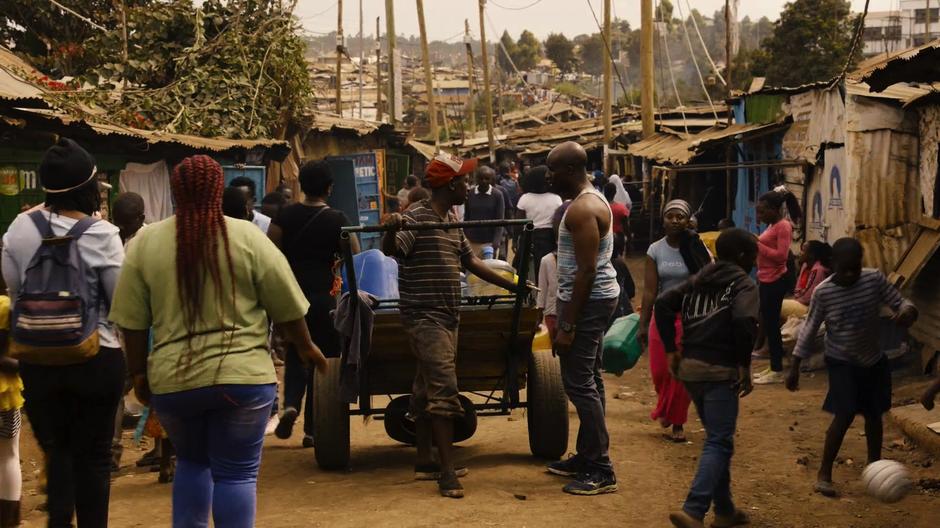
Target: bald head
{"type": "Point", "coordinates": [566, 166]}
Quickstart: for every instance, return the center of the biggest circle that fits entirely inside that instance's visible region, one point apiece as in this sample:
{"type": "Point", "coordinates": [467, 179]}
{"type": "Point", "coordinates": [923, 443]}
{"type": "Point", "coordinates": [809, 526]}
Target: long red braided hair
{"type": "Point", "coordinates": [197, 185]}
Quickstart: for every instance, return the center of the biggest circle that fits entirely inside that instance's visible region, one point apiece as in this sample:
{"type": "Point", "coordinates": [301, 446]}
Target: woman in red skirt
{"type": "Point", "coordinates": [670, 261]}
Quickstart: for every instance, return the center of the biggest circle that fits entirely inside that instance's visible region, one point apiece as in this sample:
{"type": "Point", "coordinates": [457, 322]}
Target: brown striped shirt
{"type": "Point", "coordinates": [429, 264]}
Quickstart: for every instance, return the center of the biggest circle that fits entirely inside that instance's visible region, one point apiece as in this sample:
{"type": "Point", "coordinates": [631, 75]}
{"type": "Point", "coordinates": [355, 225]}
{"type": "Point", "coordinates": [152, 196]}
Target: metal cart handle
{"type": "Point", "coordinates": [425, 226]}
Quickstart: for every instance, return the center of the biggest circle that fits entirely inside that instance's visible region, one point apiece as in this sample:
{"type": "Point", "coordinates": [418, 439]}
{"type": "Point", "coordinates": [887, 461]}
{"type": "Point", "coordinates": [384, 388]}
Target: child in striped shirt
{"type": "Point", "coordinates": [859, 374]}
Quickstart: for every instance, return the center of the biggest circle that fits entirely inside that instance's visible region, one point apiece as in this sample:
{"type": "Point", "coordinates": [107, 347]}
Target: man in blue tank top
{"type": "Point", "coordinates": [587, 297]}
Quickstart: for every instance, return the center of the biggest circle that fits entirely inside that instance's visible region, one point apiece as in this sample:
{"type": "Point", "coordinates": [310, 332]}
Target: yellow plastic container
{"type": "Point", "coordinates": [542, 340]}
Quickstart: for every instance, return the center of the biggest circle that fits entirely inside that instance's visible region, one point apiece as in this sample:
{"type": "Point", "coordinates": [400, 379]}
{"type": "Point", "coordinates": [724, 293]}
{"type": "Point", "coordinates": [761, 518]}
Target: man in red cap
{"type": "Point", "coordinates": [429, 283]}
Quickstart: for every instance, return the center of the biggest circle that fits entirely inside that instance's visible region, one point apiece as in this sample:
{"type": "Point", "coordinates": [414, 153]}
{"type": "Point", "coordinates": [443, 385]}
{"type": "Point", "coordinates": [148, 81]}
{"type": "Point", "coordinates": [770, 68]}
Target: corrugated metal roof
{"type": "Point", "coordinates": [906, 93]}
{"type": "Point", "coordinates": [14, 85]}
{"type": "Point", "coordinates": [678, 149]}
{"type": "Point", "coordinates": [919, 64]}
{"type": "Point", "coordinates": [790, 90]}
{"type": "Point", "coordinates": [326, 122]}
{"type": "Point", "coordinates": [215, 144]}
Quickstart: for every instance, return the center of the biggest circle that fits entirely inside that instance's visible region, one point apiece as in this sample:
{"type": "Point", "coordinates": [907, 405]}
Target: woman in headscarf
{"type": "Point", "coordinates": [670, 261]}
{"type": "Point", "coordinates": [622, 196]}
{"type": "Point", "coordinates": [208, 285]}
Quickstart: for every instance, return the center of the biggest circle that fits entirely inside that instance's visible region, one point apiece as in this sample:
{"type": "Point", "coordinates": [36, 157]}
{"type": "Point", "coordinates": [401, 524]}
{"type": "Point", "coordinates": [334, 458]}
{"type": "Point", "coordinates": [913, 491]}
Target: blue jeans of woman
{"type": "Point", "coordinates": [218, 432]}
{"type": "Point", "coordinates": [771, 302]}
{"type": "Point", "coordinates": [717, 406]}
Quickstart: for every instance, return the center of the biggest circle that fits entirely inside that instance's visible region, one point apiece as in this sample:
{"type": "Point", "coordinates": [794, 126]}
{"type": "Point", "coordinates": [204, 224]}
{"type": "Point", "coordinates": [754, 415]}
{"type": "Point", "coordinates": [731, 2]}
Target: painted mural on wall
{"type": "Point", "coordinates": [827, 219]}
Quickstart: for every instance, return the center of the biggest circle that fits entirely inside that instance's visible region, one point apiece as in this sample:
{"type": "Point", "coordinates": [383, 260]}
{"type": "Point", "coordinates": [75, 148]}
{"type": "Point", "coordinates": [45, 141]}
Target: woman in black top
{"type": "Point", "coordinates": [308, 233]}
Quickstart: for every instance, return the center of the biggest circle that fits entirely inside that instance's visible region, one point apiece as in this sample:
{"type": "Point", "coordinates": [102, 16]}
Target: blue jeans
{"type": "Point", "coordinates": [717, 406]}
{"type": "Point", "coordinates": [218, 432]}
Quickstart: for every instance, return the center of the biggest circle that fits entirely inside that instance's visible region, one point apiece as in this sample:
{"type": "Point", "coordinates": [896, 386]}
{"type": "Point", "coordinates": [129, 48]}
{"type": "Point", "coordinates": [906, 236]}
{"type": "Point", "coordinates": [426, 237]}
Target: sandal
{"type": "Point", "coordinates": [450, 486]}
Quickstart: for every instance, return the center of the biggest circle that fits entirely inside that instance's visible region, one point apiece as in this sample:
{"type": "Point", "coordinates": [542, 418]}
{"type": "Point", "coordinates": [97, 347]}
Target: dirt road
{"type": "Point", "coordinates": [507, 487]}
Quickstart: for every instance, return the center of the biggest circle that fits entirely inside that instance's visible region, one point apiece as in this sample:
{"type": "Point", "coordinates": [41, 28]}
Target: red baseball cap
{"type": "Point", "coordinates": [445, 167]}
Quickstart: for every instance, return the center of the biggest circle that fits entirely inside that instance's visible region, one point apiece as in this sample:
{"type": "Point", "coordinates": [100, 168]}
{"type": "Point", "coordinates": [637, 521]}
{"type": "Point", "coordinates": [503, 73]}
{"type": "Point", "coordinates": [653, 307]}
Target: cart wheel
{"type": "Point", "coordinates": [401, 428]}
{"type": "Point", "coordinates": [547, 412]}
{"type": "Point", "coordinates": [330, 418]}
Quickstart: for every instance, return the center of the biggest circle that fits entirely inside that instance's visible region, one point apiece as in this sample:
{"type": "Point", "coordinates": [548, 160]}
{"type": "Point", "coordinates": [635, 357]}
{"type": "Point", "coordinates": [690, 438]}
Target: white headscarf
{"type": "Point", "coordinates": [622, 195]}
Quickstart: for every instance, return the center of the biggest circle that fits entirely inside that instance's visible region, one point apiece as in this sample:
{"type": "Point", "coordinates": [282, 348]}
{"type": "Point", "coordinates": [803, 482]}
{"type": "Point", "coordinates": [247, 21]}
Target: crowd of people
{"type": "Point", "coordinates": [186, 312]}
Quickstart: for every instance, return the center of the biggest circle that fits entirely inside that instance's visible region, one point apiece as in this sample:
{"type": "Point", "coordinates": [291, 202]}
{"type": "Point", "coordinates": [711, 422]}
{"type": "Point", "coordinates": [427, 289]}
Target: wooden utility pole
{"type": "Point", "coordinates": [927, 23]}
{"type": "Point", "coordinates": [339, 58]}
{"type": "Point", "coordinates": [378, 71]}
{"type": "Point", "coordinates": [488, 97]}
{"type": "Point", "coordinates": [646, 67]}
{"type": "Point", "coordinates": [428, 75]}
{"type": "Point", "coordinates": [470, 112]}
{"type": "Point", "coordinates": [390, 35]}
{"type": "Point", "coordinates": [362, 61]}
{"type": "Point", "coordinates": [729, 71]}
{"type": "Point", "coordinates": [608, 85]}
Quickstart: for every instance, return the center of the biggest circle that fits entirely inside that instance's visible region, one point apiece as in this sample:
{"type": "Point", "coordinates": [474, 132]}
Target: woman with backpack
{"type": "Point", "coordinates": [70, 358]}
{"type": "Point", "coordinates": [774, 281]}
{"type": "Point", "coordinates": [670, 261]}
{"type": "Point", "coordinates": [208, 285]}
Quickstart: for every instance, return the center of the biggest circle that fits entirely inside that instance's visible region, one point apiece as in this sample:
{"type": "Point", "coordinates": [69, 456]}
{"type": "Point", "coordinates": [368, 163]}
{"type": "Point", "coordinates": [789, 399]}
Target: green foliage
{"type": "Point", "coordinates": [528, 51]}
{"type": "Point", "coordinates": [569, 89]}
{"type": "Point", "coordinates": [510, 46]}
{"type": "Point", "coordinates": [561, 50]}
{"type": "Point", "coordinates": [234, 68]}
{"type": "Point", "coordinates": [53, 41]}
{"type": "Point", "coordinates": [811, 42]}
{"type": "Point", "coordinates": [592, 54]}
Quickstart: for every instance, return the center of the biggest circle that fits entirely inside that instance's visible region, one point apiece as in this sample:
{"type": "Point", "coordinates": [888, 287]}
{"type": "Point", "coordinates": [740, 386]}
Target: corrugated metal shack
{"type": "Point", "coordinates": [915, 73]}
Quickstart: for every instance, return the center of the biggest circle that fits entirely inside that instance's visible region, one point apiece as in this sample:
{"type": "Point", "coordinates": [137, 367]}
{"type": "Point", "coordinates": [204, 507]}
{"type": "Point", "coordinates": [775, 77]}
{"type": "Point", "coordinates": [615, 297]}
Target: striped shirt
{"type": "Point", "coordinates": [851, 317]}
{"type": "Point", "coordinates": [429, 264]}
{"type": "Point", "coordinates": [605, 282]}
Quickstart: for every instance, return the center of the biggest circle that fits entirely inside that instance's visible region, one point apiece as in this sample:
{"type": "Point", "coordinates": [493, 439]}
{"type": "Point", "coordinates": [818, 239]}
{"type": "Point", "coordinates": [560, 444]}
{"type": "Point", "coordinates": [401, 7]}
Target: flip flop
{"type": "Point", "coordinates": [826, 489]}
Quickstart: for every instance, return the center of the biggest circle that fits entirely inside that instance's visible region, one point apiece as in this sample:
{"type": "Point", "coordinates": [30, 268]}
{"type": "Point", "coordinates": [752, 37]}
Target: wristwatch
{"type": "Point", "coordinates": [567, 327]}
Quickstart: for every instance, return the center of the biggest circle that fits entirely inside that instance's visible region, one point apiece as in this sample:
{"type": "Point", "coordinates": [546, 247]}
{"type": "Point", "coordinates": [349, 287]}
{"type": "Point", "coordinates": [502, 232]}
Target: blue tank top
{"type": "Point", "coordinates": [605, 282]}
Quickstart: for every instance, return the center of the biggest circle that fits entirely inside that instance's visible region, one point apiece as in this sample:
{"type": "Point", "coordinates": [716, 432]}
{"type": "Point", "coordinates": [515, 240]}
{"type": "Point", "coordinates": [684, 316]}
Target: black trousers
{"type": "Point", "coordinates": [543, 243]}
{"type": "Point", "coordinates": [298, 379]}
{"type": "Point", "coordinates": [71, 409]}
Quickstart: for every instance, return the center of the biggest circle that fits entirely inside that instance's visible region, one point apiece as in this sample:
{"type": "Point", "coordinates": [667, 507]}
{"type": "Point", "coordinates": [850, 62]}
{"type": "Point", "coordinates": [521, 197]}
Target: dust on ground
{"type": "Point", "coordinates": [777, 455]}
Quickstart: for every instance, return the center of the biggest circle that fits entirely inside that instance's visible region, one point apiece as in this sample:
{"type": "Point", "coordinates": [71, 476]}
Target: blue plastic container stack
{"type": "Point", "coordinates": [375, 274]}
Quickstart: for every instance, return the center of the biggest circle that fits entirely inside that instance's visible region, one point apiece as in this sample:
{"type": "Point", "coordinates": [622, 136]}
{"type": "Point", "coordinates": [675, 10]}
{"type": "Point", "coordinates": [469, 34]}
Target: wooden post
{"type": "Point", "coordinates": [339, 57]}
{"type": "Point", "coordinates": [499, 89]}
{"type": "Point", "coordinates": [729, 76]}
{"type": "Point", "coordinates": [362, 61]}
{"type": "Point", "coordinates": [608, 86]}
{"type": "Point", "coordinates": [378, 71]}
{"type": "Point", "coordinates": [488, 97]}
{"type": "Point", "coordinates": [927, 23]}
{"type": "Point", "coordinates": [390, 35]}
{"type": "Point", "coordinates": [470, 112]}
{"type": "Point", "coordinates": [428, 76]}
{"type": "Point", "coordinates": [646, 67]}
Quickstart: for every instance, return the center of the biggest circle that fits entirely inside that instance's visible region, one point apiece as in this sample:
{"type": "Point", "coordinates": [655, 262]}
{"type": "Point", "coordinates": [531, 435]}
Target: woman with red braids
{"type": "Point", "coordinates": [209, 376]}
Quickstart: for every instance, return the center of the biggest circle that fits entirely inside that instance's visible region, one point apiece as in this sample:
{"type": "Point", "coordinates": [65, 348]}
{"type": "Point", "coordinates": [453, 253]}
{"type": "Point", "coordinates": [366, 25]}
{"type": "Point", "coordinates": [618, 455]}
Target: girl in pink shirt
{"type": "Point", "coordinates": [773, 250]}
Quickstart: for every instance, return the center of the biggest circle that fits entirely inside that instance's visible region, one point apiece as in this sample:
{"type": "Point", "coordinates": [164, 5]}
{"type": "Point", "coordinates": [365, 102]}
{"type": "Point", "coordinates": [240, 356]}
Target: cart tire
{"type": "Point", "coordinates": [547, 413]}
{"type": "Point", "coordinates": [330, 418]}
{"type": "Point", "coordinates": [402, 429]}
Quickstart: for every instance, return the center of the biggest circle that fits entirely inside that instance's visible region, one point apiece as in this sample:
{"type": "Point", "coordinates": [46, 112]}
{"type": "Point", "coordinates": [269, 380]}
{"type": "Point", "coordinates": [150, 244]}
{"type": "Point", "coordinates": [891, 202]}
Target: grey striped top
{"type": "Point", "coordinates": [851, 317]}
{"type": "Point", "coordinates": [605, 282]}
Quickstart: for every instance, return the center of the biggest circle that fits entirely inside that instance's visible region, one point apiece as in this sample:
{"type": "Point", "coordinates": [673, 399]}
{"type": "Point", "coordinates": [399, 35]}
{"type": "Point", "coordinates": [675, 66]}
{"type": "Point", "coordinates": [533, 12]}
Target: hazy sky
{"type": "Point", "coordinates": [572, 17]}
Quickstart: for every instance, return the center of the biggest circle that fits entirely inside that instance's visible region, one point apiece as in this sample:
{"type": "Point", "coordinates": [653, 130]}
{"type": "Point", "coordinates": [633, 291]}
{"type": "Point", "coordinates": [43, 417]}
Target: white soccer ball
{"type": "Point", "coordinates": [887, 480]}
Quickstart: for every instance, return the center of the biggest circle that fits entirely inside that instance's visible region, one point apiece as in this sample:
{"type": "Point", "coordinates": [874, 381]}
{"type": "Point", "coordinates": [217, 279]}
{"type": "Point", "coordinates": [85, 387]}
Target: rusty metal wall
{"type": "Point", "coordinates": [886, 183]}
{"type": "Point", "coordinates": [885, 247]}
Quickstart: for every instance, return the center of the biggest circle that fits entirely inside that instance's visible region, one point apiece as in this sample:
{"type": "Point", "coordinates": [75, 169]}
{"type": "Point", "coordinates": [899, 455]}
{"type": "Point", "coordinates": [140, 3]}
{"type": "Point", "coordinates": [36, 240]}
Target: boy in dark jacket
{"type": "Point", "coordinates": [719, 308]}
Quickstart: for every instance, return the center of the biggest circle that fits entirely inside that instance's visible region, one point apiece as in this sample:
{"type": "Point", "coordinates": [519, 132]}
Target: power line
{"type": "Point", "coordinates": [704, 47]}
{"type": "Point", "coordinates": [688, 40]}
{"type": "Point", "coordinates": [315, 15]}
{"type": "Point", "coordinates": [856, 39]}
{"type": "Point", "coordinates": [523, 8]}
{"type": "Point", "coordinates": [83, 18]}
{"type": "Point", "coordinates": [610, 54]}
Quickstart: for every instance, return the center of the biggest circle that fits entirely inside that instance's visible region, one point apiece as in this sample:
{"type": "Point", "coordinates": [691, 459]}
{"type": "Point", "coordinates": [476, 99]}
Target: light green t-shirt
{"type": "Point", "coordinates": [229, 351]}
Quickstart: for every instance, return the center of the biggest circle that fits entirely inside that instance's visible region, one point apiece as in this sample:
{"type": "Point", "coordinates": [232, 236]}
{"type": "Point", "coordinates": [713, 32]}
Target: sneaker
{"type": "Point", "coordinates": [770, 378]}
{"type": "Point", "coordinates": [307, 442]}
{"type": "Point", "coordinates": [570, 468]}
{"type": "Point", "coordinates": [738, 518]}
{"type": "Point", "coordinates": [432, 471]}
{"type": "Point", "coordinates": [763, 353]}
{"type": "Point", "coordinates": [272, 426]}
{"type": "Point", "coordinates": [594, 483]}
{"type": "Point", "coordinates": [681, 519]}
{"type": "Point", "coordinates": [151, 458]}
{"type": "Point", "coordinates": [285, 426]}
{"type": "Point", "coordinates": [762, 373]}
{"type": "Point", "coordinates": [450, 486]}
